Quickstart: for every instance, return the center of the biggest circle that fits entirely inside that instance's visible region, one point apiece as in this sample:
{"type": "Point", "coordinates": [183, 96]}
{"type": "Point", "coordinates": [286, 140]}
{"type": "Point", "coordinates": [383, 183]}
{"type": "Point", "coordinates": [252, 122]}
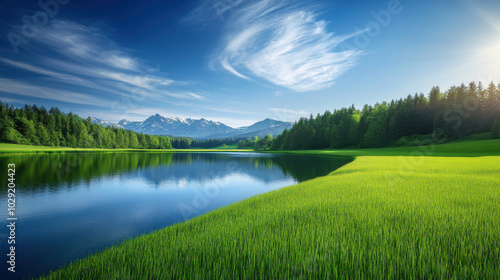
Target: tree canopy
{"type": "Point", "coordinates": [456, 113]}
{"type": "Point", "coordinates": [33, 125]}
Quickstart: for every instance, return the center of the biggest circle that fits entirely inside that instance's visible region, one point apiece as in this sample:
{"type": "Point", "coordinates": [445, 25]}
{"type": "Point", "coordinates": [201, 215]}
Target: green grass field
{"type": "Point", "coordinates": [16, 148]}
{"type": "Point", "coordinates": [385, 216]}
{"type": "Point", "coordinates": [227, 147]}
{"type": "Point", "coordinates": [464, 149]}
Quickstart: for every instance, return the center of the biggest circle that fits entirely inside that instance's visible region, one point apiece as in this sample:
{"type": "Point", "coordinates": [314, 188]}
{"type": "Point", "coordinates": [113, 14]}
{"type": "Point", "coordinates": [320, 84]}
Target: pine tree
{"type": "Point", "coordinates": [42, 135]}
{"type": "Point", "coordinates": [495, 129]}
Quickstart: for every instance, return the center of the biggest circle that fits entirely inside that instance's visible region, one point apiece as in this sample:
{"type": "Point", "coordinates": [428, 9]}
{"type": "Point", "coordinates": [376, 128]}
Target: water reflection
{"type": "Point", "coordinates": [70, 205]}
{"type": "Point", "coordinates": [64, 170]}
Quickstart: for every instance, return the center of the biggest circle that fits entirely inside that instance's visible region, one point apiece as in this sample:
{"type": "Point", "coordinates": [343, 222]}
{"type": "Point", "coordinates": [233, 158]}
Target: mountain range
{"type": "Point", "coordinates": [198, 128]}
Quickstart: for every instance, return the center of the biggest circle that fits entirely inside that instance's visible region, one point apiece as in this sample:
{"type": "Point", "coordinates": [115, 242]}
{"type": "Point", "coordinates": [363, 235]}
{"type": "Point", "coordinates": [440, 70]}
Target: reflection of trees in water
{"type": "Point", "coordinates": [53, 171]}
{"type": "Point", "coordinates": [303, 168]}
{"type": "Point", "coordinates": [64, 169]}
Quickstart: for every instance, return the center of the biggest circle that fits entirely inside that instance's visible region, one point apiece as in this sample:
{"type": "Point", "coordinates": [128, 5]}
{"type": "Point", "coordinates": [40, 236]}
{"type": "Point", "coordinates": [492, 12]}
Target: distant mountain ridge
{"type": "Point", "coordinates": [198, 128]}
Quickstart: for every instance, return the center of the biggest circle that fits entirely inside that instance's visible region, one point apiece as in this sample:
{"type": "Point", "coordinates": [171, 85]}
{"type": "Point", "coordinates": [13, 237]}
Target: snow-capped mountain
{"type": "Point", "coordinates": [103, 122]}
{"type": "Point", "coordinates": [201, 129]}
{"type": "Point", "coordinates": [260, 129]}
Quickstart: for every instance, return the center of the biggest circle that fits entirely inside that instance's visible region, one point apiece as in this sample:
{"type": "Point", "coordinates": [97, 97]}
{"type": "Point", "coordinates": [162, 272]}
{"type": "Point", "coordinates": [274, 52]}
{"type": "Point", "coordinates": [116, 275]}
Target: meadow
{"type": "Point", "coordinates": [385, 216]}
{"type": "Point", "coordinates": [452, 149]}
{"type": "Point", "coordinates": [17, 148]}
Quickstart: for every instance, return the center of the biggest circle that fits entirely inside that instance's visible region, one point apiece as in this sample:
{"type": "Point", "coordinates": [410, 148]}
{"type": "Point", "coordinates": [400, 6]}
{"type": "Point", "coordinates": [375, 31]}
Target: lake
{"type": "Point", "coordinates": [74, 204]}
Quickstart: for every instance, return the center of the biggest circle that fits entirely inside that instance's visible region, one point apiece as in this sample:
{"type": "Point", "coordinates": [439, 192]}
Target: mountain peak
{"type": "Point", "coordinates": [202, 128]}
{"type": "Point", "coordinates": [103, 122]}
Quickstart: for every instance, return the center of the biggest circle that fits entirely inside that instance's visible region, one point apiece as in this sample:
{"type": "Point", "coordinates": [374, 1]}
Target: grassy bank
{"type": "Point", "coordinates": [16, 148]}
{"type": "Point", "coordinates": [227, 147]}
{"type": "Point", "coordinates": [463, 149]}
{"type": "Point", "coordinates": [383, 216]}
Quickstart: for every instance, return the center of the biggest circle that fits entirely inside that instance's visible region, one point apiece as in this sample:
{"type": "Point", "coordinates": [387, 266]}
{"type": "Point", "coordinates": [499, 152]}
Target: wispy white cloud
{"type": "Point", "coordinates": [39, 70]}
{"type": "Point", "coordinates": [35, 91]}
{"type": "Point", "coordinates": [284, 43]}
{"type": "Point", "coordinates": [209, 10]}
{"type": "Point", "coordinates": [66, 54]}
{"type": "Point", "coordinates": [121, 81]}
{"type": "Point", "coordinates": [11, 100]}
{"type": "Point", "coordinates": [182, 94]}
{"type": "Point", "coordinates": [143, 81]}
{"type": "Point", "coordinates": [288, 111]}
{"type": "Point", "coordinates": [89, 44]}
{"type": "Point", "coordinates": [61, 77]}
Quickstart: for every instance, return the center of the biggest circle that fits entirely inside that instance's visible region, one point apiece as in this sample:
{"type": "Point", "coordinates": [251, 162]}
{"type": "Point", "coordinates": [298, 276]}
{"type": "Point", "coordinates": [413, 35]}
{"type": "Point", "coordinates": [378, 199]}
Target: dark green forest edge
{"type": "Point", "coordinates": [33, 125]}
{"type": "Point", "coordinates": [441, 117]}
{"type": "Point", "coordinates": [416, 120]}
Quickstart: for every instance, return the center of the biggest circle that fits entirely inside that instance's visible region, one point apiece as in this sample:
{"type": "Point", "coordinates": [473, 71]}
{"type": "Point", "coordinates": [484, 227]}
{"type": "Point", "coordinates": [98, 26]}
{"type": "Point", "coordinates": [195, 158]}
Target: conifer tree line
{"type": "Point", "coordinates": [256, 143]}
{"type": "Point", "coordinates": [191, 143]}
{"type": "Point", "coordinates": [458, 112]}
{"type": "Point", "coordinates": [33, 125]}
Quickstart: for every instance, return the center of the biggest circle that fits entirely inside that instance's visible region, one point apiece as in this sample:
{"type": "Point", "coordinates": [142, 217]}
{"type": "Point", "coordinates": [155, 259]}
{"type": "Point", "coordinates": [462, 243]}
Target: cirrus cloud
{"type": "Point", "coordinates": [285, 44]}
{"type": "Point", "coordinates": [91, 68]}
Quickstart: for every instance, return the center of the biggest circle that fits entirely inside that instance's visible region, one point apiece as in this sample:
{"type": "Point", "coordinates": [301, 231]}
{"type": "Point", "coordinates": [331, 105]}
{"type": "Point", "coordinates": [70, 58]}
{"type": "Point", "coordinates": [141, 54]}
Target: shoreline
{"type": "Point", "coordinates": [468, 148]}
{"type": "Point", "coordinates": [264, 226]}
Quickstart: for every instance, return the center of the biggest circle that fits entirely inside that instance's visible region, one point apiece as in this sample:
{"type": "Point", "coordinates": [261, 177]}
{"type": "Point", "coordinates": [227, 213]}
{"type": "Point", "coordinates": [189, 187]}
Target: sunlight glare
{"type": "Point", "coordinates": [489, 57]}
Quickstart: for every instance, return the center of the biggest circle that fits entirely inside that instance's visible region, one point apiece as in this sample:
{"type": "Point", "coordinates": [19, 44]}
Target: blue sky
{"type": "Point", "coordinates": [239, 61]}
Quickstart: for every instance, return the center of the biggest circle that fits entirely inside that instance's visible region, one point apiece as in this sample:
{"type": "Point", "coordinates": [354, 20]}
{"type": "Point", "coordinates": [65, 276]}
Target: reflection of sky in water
{"type": "Point", "coordinates": [61, 220]}
{"type": "Point", "coordinates": [201, 173]}
{"type": "Point", "coordinates": [132, 190]}
{"type": "Point", "coordinates": [88, 218]}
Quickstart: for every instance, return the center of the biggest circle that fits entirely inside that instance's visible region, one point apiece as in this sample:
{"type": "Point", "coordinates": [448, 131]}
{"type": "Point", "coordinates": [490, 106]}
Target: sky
{"type": "Point", "coordinates": [237, 61]}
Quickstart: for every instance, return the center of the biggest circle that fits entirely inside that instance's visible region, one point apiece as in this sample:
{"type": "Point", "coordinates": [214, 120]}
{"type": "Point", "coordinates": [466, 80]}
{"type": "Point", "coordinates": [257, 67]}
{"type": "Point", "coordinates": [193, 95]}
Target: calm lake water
{"type": "Point", "coordinates": [71, 205]}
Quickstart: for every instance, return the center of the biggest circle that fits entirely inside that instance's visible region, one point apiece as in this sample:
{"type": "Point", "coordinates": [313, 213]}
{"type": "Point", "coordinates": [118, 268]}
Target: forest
{"type": "Point", "coordinates": [454, 114]}
{"type": "Point", "coordinates": [33, 125]}
{"type": "Point", "coordinates": [256, 143]}
{"type": "Point", "coordinates": [191, 143]}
